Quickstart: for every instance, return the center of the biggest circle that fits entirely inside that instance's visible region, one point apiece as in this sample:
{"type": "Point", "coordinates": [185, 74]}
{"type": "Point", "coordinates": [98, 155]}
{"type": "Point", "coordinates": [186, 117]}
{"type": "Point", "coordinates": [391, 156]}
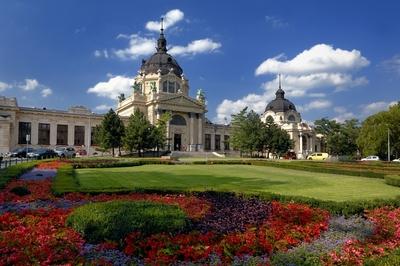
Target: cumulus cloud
{"type": "Point", "coordinates": [196, 47]}
{"type": "Point", "coordinates": [138, 46]}
{"type": "Point", "coordinates": [29, 85]}
{"type": "Point", "coordinates": [319, 58]}
{"type": "Point", "coordinates": [103, 108]}
{"type": "Point", "coordinates": [170, 18]}
{"type": "Point", "coordinates": [342, 114]}
{"type": "Point", "coordinates": [375, 107]}
{"type": "Point", "coordinates": [315, 105]}
{"type": "Point", "coordinates": [113, 87]}
{"type": "Point", "coordinates": [101, 53]}
{"type": "Point", "coordinates": [46, 92]}
{"type": "Point", "coordinates": [321, 67]}
{"type": "Point", "coordinates": [4, 86]}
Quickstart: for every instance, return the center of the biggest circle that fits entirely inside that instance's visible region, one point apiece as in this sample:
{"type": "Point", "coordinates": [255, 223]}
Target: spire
{"type": "Point", "coordinates": [280, 94]}
{"type": "Point", "coordinates": [161, 42]}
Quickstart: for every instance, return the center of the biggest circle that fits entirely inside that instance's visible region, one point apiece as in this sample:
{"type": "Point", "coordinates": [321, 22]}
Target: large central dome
{"type": "Point", "coordinates": [161, 60]}
{"type": "Point", "coordinates": [280, 104]}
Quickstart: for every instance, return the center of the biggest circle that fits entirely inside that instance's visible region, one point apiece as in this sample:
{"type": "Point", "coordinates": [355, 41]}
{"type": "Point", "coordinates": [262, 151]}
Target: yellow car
{"type": "Point", "coordinates": [319, 156]}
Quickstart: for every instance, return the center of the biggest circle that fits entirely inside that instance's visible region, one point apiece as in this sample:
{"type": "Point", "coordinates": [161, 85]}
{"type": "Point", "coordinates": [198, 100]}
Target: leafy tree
{"type": "Point", "coordinates": [110, 132]}
{"type": "Point", "coordinates": [373, 138]}
{"type": "Point", "coordinates": [158, 135]}
{"type": "Point", "coordinates": [280, 141]}
{"type": "Point", "coordinates": [138, 133]}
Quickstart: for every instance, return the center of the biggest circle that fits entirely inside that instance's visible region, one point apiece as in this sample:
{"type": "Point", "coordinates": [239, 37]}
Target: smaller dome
{"type": "Point", "coordinates": [280, 104]}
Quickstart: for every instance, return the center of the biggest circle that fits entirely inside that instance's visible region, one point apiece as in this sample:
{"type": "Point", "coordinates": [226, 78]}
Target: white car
{"type": "Point", "coordinates": [396, 160]}
{"type": "Point", "coordinates": [65, 152]}
{"type": "Point", "coordinates": [370, 158]}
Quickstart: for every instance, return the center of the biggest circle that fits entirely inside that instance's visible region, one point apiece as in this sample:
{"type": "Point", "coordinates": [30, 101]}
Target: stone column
{"type": "Point", "coordinates": [53, 134]}
{"type": "Point", "coordinates": [213, 141]}
{"type": "Point", "coordinates": [71, 134]}
{"type": "Point", "coordinates": [191, 144]}
{"type": "Point", "coordinates": [311, 144]}
{"type": "Point", "coordinates": [301, 144]}
{"type": "Point", "coordinates": [34, 133]}
{"type": "Point", "coordinates": [200, 132]}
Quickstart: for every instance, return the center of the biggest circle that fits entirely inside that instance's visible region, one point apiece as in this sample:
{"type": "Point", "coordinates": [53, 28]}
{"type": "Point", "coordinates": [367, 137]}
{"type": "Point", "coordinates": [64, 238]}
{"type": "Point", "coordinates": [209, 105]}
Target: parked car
{"type": "Point", "coordinates": [318, 156]}
{"type": "Point", "coordinates": [42, 153]}
{"type": "Point", "coordinates": [65, 152]}
{"type": "Point", "coordinates": [81, 153]}
{"type": "Point", "coordinates": [19, 152]}
{"type": "Point", "coordinates": [396, 160]}
{"type": "Point", "coordinates": [370, 158]}
{"type": "Point", "coordinates": [290, 155]}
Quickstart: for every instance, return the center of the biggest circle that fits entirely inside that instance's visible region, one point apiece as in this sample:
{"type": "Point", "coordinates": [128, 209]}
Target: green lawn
{"type": "Point", "coordinates": [237, 178]}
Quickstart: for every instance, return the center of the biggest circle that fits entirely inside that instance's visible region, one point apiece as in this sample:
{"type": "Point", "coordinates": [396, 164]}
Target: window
{"type": "Point", "coordinates": [171, 87]}
{"type": "Point", "coordinates": [178, 120]}
{"type": "Point", "coordinates": [79, 135]}
{"type": "Point", "coordinates": [226, 142]}
{"type": "Point", "coordinates": [178, 87]}
{"type": "Point", "coordinates": [165, 86]}
{"type": "Point", "coordinates": [207, 144]}
{"type": "Point", "coordinates": [23, 130]}
{"type": "Point", "coordinates": [44, 134]}
{"type": "Point", "coordinates": [92, 136]}
{"type": "Point", "coordinates": [291, 118]}
{"type": "Point", "coordinates": [62, 134]}
{"type": "Point", "coordinates": [217, 142]}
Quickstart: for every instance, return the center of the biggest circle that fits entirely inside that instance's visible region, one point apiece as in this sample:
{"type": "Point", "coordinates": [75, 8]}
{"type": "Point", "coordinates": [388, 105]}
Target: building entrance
{"type": "Point", "coordinates": [177, 142]}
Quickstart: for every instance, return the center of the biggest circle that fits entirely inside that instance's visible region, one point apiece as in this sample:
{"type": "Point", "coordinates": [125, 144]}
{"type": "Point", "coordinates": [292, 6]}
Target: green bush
{"type": "Point", "coordinates": [108, 163]}
{"type": "Point", "coordinates": [115, 219]}
{"type": "Point", "coordinates": [298, 257]}
{"type": "Point", "coordinates": [393, 180]}
{"type": "Point", "coordinates": [391, 259]}
{"type": "Point", "coordinates": [65, 180]}
{"type": "Point", "coordinates": [15, 171]}
{"type": "Point", "coordinates": [20, 191]}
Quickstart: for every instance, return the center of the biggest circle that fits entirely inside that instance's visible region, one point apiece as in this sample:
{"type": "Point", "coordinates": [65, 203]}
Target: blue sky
{"type": "Point", "coordinates": [339, 59]}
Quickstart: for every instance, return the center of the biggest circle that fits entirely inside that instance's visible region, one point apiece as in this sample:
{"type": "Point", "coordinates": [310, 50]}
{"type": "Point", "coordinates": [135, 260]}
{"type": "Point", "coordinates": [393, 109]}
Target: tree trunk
{"type": "Point", "coordinates": [113, 153]}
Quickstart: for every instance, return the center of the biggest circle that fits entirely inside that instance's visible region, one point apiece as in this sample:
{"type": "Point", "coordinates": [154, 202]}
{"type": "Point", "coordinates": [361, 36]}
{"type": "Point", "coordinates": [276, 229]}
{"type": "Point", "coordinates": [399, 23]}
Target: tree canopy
{"type": "Point", "coordinates": [110, 132]}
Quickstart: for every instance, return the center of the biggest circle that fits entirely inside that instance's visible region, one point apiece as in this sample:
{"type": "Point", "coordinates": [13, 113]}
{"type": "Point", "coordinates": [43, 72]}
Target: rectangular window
{"type": "Point", "coordinates": [165, 86]}
{"type": "Point", "coordinates": [44, 134]}
{"type": "Point", "coordinates": [62, 134]}
{"type": "Point", "coordinates": [171, 87]}
{"type": "Point", "coordinates": [217, 142]}
{"type": "Point", "coordinates": [92, 138]}
{"type": "Point", "coordinates": [207, 143]}
{"type": "Point", "coordinates": [226, 142]}
{"type": "Point", "coordinates": [23, 130]}
{"type": "Point", "coordinates": [79, 136]}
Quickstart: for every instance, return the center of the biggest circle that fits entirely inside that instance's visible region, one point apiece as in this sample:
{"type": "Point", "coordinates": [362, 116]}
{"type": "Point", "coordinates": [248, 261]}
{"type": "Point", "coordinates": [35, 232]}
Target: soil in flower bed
{"type": "Point", "coordinates": [230, 213]}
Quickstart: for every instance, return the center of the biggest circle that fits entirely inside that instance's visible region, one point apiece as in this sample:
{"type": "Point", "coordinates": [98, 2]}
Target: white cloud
{"type": "Point", "coordinates": [29, 85]}
{"type": "Point", "coordinates": [196, 47]}
{"type": "Point", "coordinates": [316, 104]}
{"type": "Point", "coordinates": [138, 46]}
{"type": "Point", "coordinates": [101, 53]}
{"type": "Point", "coordinates": [113, 87]}
{"type": "Point", "coordinates": [392, 64]}
{"type": "Point", "coordinates": [46, 92]}
{"type": "Point", "coordinates": [319, 58]}
{"type": "Point", "coordinates": [320, 67]}
{"type": "Point", "coordinates": [375, 107]}
{"type": "Point", "coordinates": [170, 18]}
{"type": "Point", "coordinates": [4, 86]}
{"type": "Point", "coordinates": [103, 107]}
{"type": "Point", "coordinates": [275, 22]}
{"type": "Point", "coordinates": [342, 114]}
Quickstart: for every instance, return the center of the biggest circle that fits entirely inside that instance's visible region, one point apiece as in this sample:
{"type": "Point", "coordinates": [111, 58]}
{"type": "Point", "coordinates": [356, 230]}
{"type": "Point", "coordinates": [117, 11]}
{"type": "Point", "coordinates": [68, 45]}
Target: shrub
{"type": "Point", "coordinates": [298, 257]}
{"type": "Point", "coordinates": [14, 171]}
{"type": "Point", "coordinates": [108, 163]}
{"type": "Point", "coordinates": [20, 191]}
{"type": "Point", "coordinates": [388, 260]}
{"type": "Point", "coordinates": [393, 180]}
{"type": "Point", "coordinates": [114, 220]}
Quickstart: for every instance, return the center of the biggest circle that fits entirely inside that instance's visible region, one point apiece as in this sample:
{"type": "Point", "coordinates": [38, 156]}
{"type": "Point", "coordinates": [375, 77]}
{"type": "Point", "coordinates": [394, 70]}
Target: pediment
{"type": "Point", "coordinates": [181, 100]}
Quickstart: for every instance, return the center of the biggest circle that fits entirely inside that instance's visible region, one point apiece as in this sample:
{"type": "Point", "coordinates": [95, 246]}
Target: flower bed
{"type": "Point", "coordinates": [222, 229]}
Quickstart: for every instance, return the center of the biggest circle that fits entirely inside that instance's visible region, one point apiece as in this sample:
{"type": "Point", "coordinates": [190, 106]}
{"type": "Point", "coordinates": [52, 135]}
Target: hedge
{"type": "Point", "coordinates": [116, 163]}
{"type": "Point", "coordinates": [15, 171]}
{"type": "Point", "coordinates": [115, 219]}
{"type": "Point", "coordinates": [393, 180]}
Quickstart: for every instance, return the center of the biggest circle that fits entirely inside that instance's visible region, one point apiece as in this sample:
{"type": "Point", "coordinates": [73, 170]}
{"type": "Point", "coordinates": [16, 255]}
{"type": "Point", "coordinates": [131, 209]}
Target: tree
{"type": "Point", "coordinates": [280, 142]}
{"type": "Point", "coordinates": [138, 133]}
{"type": "Point", "coordinates": [373, 138]}
{"type": "Point", "coordinates": [339, 138]}
{"type": "Point", "coordinates": [158, 136]}
{"type": "Point", "coordinates": [110, 132]}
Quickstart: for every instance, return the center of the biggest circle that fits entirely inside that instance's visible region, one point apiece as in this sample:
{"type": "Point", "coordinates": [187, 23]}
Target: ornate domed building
{"type": "Point", "coordinates": [160, 86]}
{"type": "Point", "coordinates": [284, 113]}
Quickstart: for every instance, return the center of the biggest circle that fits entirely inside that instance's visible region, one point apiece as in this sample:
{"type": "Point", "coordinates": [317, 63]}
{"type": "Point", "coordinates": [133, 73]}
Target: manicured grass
{"type": "Point", "coordinates": [236, 178]}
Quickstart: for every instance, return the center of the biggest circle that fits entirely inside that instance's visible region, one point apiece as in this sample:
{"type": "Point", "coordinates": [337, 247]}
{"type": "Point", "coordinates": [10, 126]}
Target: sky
{"type": "Point", "coordinates": [337, 59]}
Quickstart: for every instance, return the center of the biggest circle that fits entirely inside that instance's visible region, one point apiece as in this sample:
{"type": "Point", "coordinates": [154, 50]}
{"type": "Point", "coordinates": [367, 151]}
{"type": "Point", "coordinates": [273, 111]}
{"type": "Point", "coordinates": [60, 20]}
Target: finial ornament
{"type": "Point", "coordinates": [279, 75]}
{"type": "Point", "coordinates": [162, 24]}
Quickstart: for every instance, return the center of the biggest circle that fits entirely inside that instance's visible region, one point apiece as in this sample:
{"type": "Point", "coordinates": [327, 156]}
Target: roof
{"type": "Point", "coordinates": [280, 103]}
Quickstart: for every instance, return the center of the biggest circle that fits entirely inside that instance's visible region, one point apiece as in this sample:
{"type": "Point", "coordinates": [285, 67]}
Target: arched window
{"type": "Point", "coordinates": [170, 86]}
{"type": "Point", "coordinates": [291, 118]}
{"type": "Point", "coordinates": [178, 120]}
